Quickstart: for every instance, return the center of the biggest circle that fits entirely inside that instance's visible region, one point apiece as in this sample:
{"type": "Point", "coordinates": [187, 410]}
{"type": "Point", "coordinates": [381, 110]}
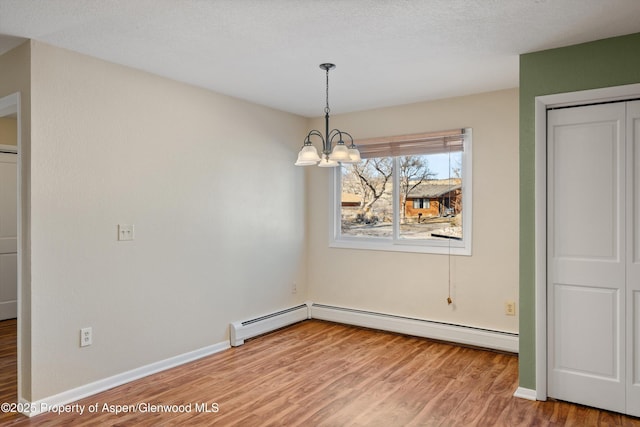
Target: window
{"type": "Point", "coordinates": [407, 194]}
{"type": "Point", "coordinates": [421, 203]}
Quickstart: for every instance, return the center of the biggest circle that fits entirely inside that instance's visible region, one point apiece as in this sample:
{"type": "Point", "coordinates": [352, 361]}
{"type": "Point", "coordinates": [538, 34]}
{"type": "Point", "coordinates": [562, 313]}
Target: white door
{"type": "Point", "coordinates": [633, 258]}
{"type": "Point", "coordinates": [586, 250]}
{"type": "Point", "coordinates": [8, 236]}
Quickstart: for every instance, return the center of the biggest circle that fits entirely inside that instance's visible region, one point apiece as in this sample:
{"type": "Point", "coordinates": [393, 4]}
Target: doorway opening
{"type": "Point", "coordinates": [10, 246]}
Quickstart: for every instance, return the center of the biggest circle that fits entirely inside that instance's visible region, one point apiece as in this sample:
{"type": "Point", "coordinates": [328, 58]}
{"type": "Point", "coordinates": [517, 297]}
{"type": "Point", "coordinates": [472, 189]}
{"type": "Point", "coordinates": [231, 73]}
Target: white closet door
{"type": "Point", "coordinates": [633, 258]}
{"type": "Point", "coordinates": [587, 255]}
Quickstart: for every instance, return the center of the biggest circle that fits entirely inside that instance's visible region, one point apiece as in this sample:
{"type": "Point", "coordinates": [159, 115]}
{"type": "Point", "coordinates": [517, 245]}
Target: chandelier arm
{"type": "Point", "coordinates": [333, 134]}
{"type": "Point", "coordinates": [349, 135]}
{"type": "Point", "coordinates": [314, 133]}
{"type": "Point", "coordinates": [307, 140]}
{"type": "Point", "coordinates": [353, 144]}
{"type": "Point", "coordinates": [336, 132]}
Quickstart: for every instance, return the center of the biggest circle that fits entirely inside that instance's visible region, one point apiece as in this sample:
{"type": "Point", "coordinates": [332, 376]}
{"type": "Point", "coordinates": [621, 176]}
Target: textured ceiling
{"type": "Point", "coordinates": [388, 52]}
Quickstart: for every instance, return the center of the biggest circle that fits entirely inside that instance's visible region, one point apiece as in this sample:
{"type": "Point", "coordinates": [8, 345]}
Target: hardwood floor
{"type": "Point", "coordinates": [316, 373]}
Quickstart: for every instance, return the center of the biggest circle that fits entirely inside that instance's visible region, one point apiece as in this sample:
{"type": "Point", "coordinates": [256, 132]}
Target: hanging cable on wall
{"type": "Point", "coordinates": [449, 300]}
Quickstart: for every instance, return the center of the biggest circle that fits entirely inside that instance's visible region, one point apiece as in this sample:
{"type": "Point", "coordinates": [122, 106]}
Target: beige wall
{"type": "Point", "coordinates": [8, 131]}
{"type": "Point", "coordinates": [15, 74]}
{"type": "Point", "coordinates": [113, 145]}
{"type": "Point", "coordinates": [416, 285]}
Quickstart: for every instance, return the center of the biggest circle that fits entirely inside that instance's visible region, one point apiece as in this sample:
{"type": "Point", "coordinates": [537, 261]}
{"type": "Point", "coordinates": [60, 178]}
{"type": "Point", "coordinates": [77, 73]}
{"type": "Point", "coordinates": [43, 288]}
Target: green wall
{"type": "Point", "coordinates": [603, 63]}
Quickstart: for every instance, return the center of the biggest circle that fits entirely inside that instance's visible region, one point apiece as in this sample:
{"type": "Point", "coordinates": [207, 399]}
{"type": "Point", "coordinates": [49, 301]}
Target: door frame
{"type": "Point", "coordinates": [542, 103]}
{"type": "Point", "coordinates": [11, 104]}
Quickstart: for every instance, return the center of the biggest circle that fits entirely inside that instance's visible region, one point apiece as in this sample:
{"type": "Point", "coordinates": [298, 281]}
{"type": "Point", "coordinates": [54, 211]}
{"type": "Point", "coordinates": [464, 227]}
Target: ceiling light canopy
{"type": "Point", "coordinates": [331, 155]}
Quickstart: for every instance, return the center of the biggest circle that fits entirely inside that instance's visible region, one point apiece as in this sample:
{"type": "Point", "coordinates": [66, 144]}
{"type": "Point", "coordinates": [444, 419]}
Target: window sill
{"type": "Point", "coordinates": [440, 248]}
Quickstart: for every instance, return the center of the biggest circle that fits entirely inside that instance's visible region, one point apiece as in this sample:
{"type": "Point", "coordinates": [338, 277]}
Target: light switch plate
{"type": "Point", "coordinates": [125, 232]}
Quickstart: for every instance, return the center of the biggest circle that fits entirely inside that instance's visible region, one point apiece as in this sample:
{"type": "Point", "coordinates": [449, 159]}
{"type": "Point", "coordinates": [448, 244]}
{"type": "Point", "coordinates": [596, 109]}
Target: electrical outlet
{"type": "Point", "coordinates": [126, 232]}
{"type": "Point", "coordinates": [510, 308]}
{"type": "Point", "coordinates": [294, 288]}
{"type": "Point", "coordinates": [86, 337]}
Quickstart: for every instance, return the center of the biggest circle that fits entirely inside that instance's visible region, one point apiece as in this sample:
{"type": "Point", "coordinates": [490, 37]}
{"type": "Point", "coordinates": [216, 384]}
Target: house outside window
{"type": "Point", "coordinates": [409, 193]}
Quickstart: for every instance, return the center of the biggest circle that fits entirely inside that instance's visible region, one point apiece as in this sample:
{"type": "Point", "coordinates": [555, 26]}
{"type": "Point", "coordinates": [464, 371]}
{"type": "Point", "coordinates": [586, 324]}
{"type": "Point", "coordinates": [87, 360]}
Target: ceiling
{"type": "Point", "coordinates": [388, 52]}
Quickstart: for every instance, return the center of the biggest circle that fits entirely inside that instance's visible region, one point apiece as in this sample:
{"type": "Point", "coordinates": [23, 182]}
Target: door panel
{"type": "Point", "coordinates": [8, 236]}
{"type": "Point", "coordinates": [586, 261]}
{"type": "Point", "coordinates": [633, 258]}
{"type": "Point", "coordinates": [578, 207]}
{"type": "Point", "coordinates": [596, 310]}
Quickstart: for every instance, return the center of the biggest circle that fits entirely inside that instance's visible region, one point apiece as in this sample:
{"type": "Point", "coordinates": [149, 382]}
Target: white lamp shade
{"type": "Point", "coordinates": [340, 153]}
{"type": "Point", "coordinates": [308, 156]}
{"type": "Point", "coordinates": [354, 156]}
{"type": "Point", "coordinates": [327, 163]}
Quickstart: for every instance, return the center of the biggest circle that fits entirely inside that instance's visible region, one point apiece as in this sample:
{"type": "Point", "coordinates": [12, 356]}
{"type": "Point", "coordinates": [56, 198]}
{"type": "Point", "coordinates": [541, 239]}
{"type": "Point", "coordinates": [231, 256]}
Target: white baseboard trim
{"type": "Point", "coordinates": [504, 341]}
{"type": "Point", "coordinates": [8, 310]}
{"type": "Point", "coordinates": [525, 393]}
{"type": "Point", "coordinates": [66, 397]}
{"type": "Point", "coordinates": [497, 340]}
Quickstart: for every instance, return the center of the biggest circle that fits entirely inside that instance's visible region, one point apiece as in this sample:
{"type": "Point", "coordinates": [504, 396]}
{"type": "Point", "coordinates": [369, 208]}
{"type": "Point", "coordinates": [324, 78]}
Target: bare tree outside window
{"type": "Point", "coordinates": [373, 176]}
{"type": "Point", "coordinates": [367, 184]}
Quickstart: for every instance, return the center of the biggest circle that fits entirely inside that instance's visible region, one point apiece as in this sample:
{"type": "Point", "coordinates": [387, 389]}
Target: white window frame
{"type": "Point", "coordinates": [395, 243]}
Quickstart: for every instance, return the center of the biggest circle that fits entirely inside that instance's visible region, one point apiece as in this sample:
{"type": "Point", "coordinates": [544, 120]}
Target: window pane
{"type": "Point", "coordinates": [366, 207]}
{"type": "Point", "coordinates": [407, 202]}
{"type": "Point", "coordinates": [430, 196]}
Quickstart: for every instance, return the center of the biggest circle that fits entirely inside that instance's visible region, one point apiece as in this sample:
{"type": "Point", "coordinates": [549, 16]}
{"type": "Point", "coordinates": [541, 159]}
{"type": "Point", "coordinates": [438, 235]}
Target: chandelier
{"type": "Point", "coordinates": [341, 153]}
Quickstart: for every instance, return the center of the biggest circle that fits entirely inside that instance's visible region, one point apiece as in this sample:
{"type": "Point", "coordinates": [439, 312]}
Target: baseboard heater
{"type": "Point", "coordinates": [467, 335]}
{"type": "Point", "coordinates": [240, 331]}
{"type": "Point", "coordinates": [478, 337]}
